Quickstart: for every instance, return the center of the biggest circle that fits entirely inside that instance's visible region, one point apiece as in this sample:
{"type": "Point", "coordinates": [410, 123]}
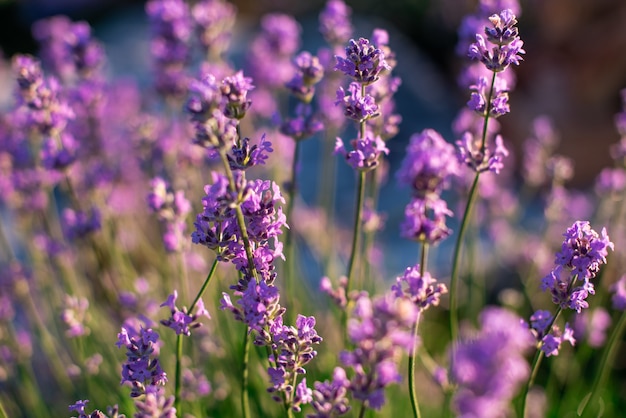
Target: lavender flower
{"type": "Point", "coordinates": [380, 331]}
{"type": "Point", "coordinates": [181, 321]}
{"type": "Point", "coordinates": [304, 124]}
{"type": "Point", "coordinates": [425, 220]}
{"type": "Point", "coordinates": [363, 62]}
{"type": "Point", "coordinates": [329, 397]}
{"type": "Point", "coordinates": [171, 25]}
{"type": "Point", "coordinates": [506, 46]}
{"type": "Point", "coordinates": [142, 368]}
{"type": "Point", "coordinates": [499, 104]}
{"type": "Point", "coordinates": [423, 290]}
{"type": "Point", "coordinates": [214, 22]}
{"type": "Point", "coordinates": [429, 164]}
{"type": "Point", "coordinates": [490, 367]}
{"type": "Point", "coordinates": [356, 106]}
{"type": "Point", "coordinates": [235, 92]}
{"type": "Point", "coordinates": [294, 348]}
{"type": "Point", "coordinates": [366, 152]}
{"type": "Point", "coordinates": [479, 159]}
{"type": "Point", "coordinates": [309, 72]}
{"type": "Point", "coordinates": [335, 25]}
{"type": "Point", "coordinates": [171, 209]}
{"type": "Point", "coordinates": [550, 339]}
{"type": "Point", "coordinates": [592, 326]}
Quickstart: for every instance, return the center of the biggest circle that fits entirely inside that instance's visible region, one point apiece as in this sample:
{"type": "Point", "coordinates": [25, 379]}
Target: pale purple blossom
{"type": "Point", "coordinates": [182, 321]}
{"type": "Point", "coordinates": [335, 25]}
{"type": "Point", "coordinates": [479, 158]}
{"type": "Point", "coordinates": [366, 151]}
{"type": "Point", "coordinates": [363, 62]}
{"type": "Point", "coordinates": [421, 289]}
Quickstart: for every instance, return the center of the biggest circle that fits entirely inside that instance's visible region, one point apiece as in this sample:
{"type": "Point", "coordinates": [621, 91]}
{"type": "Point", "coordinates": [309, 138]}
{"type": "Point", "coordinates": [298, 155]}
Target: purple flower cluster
{"type": "Point", "coordinates": [181, 321]}
{"type": "Point", "coordinates": [423, 290]}
{"type": "Point", "coordinates": [142, 368]}
{"type": "Point", "coordinates": [171, 209]}
{"type": "Point", "coordinates": [329, 397]}
{"type": "Point", "coordinates": [68, 48]}
{"type": "Point", "coordinates": [81, 223]}
{"type": "Point", "coordinates": [293, 349]}
{"type": "Point", "coordinates": [582, 253]}
{"type": "Point", "coordinates": [479, 158]}
{"type": "Point", "coordinates": [357, 106]}
{"type": "Point", "coordinates": [364, 62]}
{"type": "Point", "coordinates": [506, 45]}
{"type": "Point", "coordinates": [172, 28]}
{"type": "Point", "coordinates": [335, 25]}
{"type": "Point", "coordinates": [548, 334]}
{"type": "Point", "coordinates": [489, 367]}
{"type": "Point", "coordinates": [215, 108]}
{"type": "Point", "coordinates": [428, 166]}
{"type": "Point", "coordinates": [214, 22]}
{"type": "Point", "coordinates": [366, 151]}
{"type": "Point", "coordinates": [381, 330]}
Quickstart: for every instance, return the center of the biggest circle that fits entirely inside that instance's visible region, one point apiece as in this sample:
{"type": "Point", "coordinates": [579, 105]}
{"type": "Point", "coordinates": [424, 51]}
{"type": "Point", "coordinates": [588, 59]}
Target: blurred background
{"type": "Point", "coordinates": [573, 72]}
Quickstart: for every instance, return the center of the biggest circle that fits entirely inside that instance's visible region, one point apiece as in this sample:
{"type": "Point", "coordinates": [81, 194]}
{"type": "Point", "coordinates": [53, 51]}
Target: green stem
{"type": "Point", "coordinates": [179, 340]}
{"type": "Point", "coordinates": [454, 320]}
{"type": "Point", "coordinates": [356, 237]}
{"type": "Point", "coordinates": [362, 410]}
{"type": "Point", "coordinates": [412, 393]}
{"type": "Point", "coordinates": [245, 397]}
{"type": "Point", "coordinates": [289, 233]}
{"type": "Point", "coordinates": [535, 365]}
{"type": "Point", "coordinates": [608, 357]}
{"type": "Point", "coordinates": [179, 373]}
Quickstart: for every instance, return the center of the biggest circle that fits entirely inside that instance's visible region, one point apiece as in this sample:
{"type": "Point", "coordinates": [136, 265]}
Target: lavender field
{"type": "Point", "coordinates": [235, 233]}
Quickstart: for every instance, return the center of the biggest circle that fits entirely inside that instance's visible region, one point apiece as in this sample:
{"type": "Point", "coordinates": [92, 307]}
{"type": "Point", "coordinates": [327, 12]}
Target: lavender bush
{"type": "Point", "coordinates": [158, 259]}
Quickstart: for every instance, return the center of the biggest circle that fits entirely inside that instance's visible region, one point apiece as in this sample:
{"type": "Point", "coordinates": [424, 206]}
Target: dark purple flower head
{"type": "Point", "coordinates": [583, 250]}
{"type": "Point", "coordinates": [142, 368]}
{"type": "Point", "coordinates": [335, 25]}
{"type": "Point", "coordinates": [363, 62]}
{"type": "Point", "coordinates": [58, 153]}
{"type": "Point", "coordinates": [243, 155]}
{"type": "Point", "coordinates": [356, 106]}
{"type": "Point", "coordinates": [429, 164]}
{"type": "Point", "coordinates": [423, 290]}
{"type": "Point", "coordinates": [366, 151]}
{"type": "Point", "coordinates": [425, 219]}
{"type": "Point", "coordinates": [490, 367]}
{"type": "Point", "coordinates": [235, 91]}
{"type": "Point", "coordinates": [506, 45]}
{"type": "Point", "coordinates": [478, 159]}
{"type": "Point", "coordinates": [214, 22]}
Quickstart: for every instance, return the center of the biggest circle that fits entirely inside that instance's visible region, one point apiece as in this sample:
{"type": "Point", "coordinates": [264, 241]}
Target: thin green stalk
{"type": "Point", "coordinates": [3, 413]}
{"type": "Point", "coordinates": [179, 340]}
{"type": "Point", "coordinates": [245, 397]}
{"type": "Point", "coordinates": [535, 365]}
{"type": "Point", "coordinates": [412, 393]}
{"type": "Point", "coordinates": [179, 373]}
{"type": "Point", "coordinates": [362, 410]}
{"type": "Point", "coordinates": [454, 277]}
{"type": "Point", "coordinates": [454, 320]}
{"type": "Point", "coordinates": [608, 357]}
{"type": "Point", "coordinates": [356, 237]}
{"type": "Point", "coordinates": [289, 233]}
